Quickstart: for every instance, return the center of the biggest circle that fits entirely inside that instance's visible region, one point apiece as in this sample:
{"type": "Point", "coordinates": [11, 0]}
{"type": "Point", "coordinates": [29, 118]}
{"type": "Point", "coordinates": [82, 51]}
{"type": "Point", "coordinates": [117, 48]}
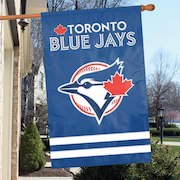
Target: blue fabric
{"type": "Point", "coordinates": [124, 57]}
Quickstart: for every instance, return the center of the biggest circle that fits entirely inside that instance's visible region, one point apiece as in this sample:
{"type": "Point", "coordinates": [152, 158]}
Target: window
{"type": "Point", "coordinates": [41, 79]}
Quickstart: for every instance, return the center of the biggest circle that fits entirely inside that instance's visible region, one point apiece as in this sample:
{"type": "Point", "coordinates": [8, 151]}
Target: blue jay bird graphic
{"type": "Point", "coordinates": [90, 86]}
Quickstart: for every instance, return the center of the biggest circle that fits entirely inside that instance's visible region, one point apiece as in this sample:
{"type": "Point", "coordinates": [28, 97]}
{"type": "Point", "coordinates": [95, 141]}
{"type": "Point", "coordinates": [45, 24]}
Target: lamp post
{"type": "Point", "coordinates": [161, 112]}
{"type": "Point", "coordinates": [47, 131]}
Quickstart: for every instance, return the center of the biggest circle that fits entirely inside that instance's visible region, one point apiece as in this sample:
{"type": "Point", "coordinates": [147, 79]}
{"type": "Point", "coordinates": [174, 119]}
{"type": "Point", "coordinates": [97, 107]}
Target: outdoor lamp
{"type": "Point", "coordinates": [161, 112]}
{"type": "Point", "coordinates": [23, 23]}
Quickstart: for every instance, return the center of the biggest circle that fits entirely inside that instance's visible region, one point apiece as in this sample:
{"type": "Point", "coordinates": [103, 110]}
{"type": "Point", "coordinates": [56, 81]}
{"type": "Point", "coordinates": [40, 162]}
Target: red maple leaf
{"type": "Point", "coordinates": [60, 29]}
{"type": "Point", "coordinates": [118, 86]}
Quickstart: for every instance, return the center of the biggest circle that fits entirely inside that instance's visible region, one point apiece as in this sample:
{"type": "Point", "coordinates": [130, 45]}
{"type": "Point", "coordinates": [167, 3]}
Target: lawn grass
{"type": "Point", "coordinates": [166, 128]}
{"type": "Point", "coordinates": [178, 170]}
{"type": "Point", "coordinates": [176, 149]}
{"type": "Point", "coordinates": [170, 139]}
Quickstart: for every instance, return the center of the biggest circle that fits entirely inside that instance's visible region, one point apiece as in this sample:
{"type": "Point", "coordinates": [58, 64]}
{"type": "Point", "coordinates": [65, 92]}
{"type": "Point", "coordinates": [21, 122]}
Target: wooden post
{"type": "Point", "coordinates": [149, 7]}
{"type": "Point", "coordinates": [21, 16]}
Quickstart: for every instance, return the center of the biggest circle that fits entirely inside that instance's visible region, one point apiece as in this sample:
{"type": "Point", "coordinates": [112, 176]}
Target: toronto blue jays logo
{"type": "Point", "coordinates": [96, 89]}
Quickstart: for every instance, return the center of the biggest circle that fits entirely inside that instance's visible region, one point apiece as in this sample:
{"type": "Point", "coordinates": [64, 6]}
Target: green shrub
{"type": "Point", "coordinates": [172, 132]}
{"type": "Point", "coordinates": [166, 132]}
{"type": "Point", "coordinates": [152, 125]}
{"type": "Point", "coordinates": [31, 150]}
{"type": "Point", "coordinates": [154, 132]}
{"type": "Point", "coordinates": [104, 173]}
{"type": "Point", "coordinates": [163, 167]}
{"type": "Point", "coordinates": [46, 144]}
{"type": "Point", "coordinates": [167, 125]}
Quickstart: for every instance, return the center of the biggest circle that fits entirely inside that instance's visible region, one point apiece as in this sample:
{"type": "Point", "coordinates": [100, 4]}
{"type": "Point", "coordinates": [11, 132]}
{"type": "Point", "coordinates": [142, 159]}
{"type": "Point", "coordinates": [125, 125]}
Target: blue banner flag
{"type": "Point", "coordinates": [96, 90]}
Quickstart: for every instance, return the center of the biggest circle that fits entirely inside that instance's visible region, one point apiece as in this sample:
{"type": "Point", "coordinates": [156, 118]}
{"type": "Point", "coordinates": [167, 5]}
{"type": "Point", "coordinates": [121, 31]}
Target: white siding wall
{"type": "Point", "coordinates": [1, 90]}
{"type": "Point", "coordinates": [6, 95]}
{"type": "Point", "coordinates": [7, 113]}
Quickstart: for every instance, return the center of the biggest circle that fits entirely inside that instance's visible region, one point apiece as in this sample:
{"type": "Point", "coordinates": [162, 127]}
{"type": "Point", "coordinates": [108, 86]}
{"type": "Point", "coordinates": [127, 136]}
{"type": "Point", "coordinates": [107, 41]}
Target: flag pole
{"type": "Point", "coordinates": [149, 7]}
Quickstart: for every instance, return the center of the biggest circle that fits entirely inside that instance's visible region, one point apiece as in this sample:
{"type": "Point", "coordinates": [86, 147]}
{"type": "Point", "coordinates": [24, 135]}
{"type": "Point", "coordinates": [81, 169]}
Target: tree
{"type": "Point", "coordinates": [163, 166]}
{"type": "Point", "coordinates": [172, 116]}
{"type": "Point", "coordinates": [59, 5]}
{"type": "Point", "coordinates": [31, 150]}
{"type": "Point", "coordinates": [28, 81]}
{"type": "Point", "coordinates": [161, 82]}
{"type": "Point", "coordinates": [174, 97]}
{"type": "Point", "coordinates": [41, 117]}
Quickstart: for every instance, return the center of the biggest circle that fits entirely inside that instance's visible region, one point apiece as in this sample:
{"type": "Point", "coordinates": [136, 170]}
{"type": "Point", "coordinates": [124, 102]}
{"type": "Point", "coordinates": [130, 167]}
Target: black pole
{"type": "Point", "coordinates": [161, 133]}
{"type": "Point", "coordinates": [76, 5]}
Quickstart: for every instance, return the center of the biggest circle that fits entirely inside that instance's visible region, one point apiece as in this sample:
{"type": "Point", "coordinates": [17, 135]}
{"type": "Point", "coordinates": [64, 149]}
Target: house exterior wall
{"type": "Point", "coordinates": [8, 62]}
{"type": "Point", "coordinates": [7, 113]}
{"type": "Point", "coordinates": [1, 89]}
{"type": "Point", "coordinates": [10, 74]}
{"type": "Point", "coordinates": [40, 92]}
{"type": "Point", "coordinates": [15, 134]}
{"type": "Point", "coordinates": [40, 99]}
{"type": "Point", "coordinates": [6, 94]}
{"type": "Point", "coordinates": [16, 117]}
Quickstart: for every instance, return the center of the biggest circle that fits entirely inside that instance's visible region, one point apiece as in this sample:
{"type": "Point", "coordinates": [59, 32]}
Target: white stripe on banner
{"type": "Point", "coordinates": [99, 138]}
{"type": "Point", "coordinates": [100, 152]}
